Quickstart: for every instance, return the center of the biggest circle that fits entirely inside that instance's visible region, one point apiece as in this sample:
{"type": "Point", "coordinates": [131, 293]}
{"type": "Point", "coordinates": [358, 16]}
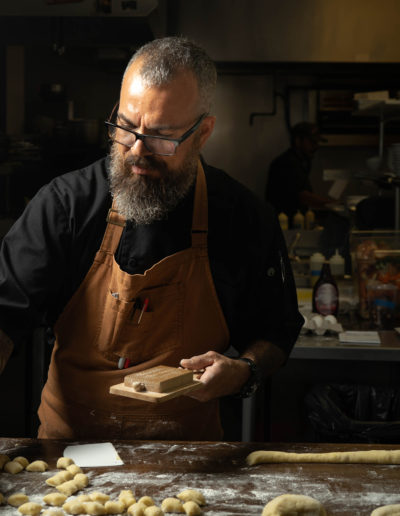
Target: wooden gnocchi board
{"type": "Point", "coordinates": [161, 383]}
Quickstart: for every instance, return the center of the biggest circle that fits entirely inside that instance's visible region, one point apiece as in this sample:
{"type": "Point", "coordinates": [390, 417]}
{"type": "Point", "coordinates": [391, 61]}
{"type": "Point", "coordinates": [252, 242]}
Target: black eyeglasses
{"type": "Point", "coordinates": [160, 145]}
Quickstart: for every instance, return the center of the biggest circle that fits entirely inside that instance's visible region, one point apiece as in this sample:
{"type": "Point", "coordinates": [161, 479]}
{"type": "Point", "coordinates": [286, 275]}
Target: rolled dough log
{"type": "Point", "coordinates": [293, 504]}
{"type": "Point", "coordinates": [387, 510]}
{"type": "Point", "coordinates": [348, 457]}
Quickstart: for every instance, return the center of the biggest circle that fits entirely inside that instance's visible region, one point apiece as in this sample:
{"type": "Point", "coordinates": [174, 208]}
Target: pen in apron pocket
{"type": "Point", "coordinates": [125, 362]}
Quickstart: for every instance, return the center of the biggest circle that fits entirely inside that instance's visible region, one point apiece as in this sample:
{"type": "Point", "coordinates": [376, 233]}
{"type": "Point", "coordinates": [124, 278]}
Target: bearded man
{"type": "Point", "coordinates": [148, 257]}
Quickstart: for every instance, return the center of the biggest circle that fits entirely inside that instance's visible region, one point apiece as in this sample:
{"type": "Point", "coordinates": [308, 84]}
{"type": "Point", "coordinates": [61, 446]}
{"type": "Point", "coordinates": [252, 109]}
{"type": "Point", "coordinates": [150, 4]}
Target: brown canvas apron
{"type": "Point", "coordinates": [100, 324]}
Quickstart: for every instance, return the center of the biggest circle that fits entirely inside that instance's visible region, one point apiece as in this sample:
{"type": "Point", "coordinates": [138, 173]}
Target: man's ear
{"type": "Point", "coordinates": [206, 129]}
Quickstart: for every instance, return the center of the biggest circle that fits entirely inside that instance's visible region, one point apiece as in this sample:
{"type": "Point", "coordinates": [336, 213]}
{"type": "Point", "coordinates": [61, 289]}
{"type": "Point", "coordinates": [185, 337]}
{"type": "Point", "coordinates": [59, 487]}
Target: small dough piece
{"type": "Point", "coordinates": [172, 505]}
{"type": "Point", "coordinates": [53, 512]}
{"type": "Point", "coordinates": [127, 498]}
{"type": "Point", "coordinates": [63, 462]}
{"type": "Point", "coordinates": [387, 510]}
{"type": "Point", "coordinates": [81, 480]}
{"type": "Point", "coordinates": [68, 488]}
{"type": "Point", "coordinates": [96, 496]}
{"type": "Point", "coordinates": [17, 499]}
{"type": "Point", "coordinates": [73, 469]}
{"type": "Point", "coordinates": [147, 501]}
{"type": "Point", "coordinates": [191, 495]}
{"type": "Point", "coordinates": [3, 460]}
{"type": "Point", "coordinates": [348, 457]}
{"type": "Point", "coordinates": [290, 504]}
{"type": "Point", "coordinates": [74, 506]}
{"type": "Point", "coordinates": [192, 508]}
{"type": "Point", "coordinates": [136, 509]}
{"type": "Point", "coordinates": [37, 465]}
{"type": "Point", "coordinates": [30, 508]}
{"type": "Point", "coordinates": [94, 508]}
{"type": "Point", "coordinates": [83, 498]}
{"type": "Point", "coordinates": [13, 467]}
{"type": "Point", "coordinates": [114, 507]}
{"type": "Point", "coordinates": [56, 499]}
{"type": "Point", "coordinates": [59, 478]}
{"type": "Point", "coordinates": [22, 460]}
{"type": "Point", "coordinates": [152, 510]}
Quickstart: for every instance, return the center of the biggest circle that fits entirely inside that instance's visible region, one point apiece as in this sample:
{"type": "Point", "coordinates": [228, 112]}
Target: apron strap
{"type": "Point", "coordinates": [114, 229]}
{"type": "Point", "coordinates": [200, 211]}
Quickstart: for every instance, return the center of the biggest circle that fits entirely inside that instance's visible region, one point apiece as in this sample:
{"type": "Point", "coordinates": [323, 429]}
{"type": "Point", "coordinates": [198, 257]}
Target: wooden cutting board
{"type": "Point", "coordinates": [157, 384]}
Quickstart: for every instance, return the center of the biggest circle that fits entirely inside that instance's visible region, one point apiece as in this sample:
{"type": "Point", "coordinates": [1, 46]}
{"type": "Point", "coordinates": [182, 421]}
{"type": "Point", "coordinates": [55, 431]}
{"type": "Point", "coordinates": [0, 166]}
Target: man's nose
{"type": "Point", "coordinates": [139, 148]}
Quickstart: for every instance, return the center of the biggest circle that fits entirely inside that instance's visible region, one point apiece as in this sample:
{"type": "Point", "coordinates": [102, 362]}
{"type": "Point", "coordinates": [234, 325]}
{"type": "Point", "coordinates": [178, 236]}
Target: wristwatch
{"type": "Point", "coordinates": [252, 384]}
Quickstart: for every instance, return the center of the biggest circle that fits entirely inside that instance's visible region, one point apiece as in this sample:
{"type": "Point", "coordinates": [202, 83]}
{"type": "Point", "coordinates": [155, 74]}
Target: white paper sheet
{"type": "Point", "coordinates": [93, 455]}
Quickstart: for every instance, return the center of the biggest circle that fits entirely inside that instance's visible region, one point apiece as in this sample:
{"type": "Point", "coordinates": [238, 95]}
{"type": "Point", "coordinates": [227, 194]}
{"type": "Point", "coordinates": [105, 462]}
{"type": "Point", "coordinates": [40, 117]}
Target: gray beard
{"type": "Point", "coordinates": [144, 199]}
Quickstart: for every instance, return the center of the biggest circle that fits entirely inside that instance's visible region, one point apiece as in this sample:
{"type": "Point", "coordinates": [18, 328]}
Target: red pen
{"type": "Point", "coordinates": [144, 308]}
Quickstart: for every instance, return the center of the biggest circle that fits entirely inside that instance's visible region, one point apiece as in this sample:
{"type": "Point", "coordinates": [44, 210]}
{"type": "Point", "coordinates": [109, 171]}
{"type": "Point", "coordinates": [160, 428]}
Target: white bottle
{"type": "Point", "coordinates": [316, 262]}
{"type": "Point", "coordinates": [336, 263]}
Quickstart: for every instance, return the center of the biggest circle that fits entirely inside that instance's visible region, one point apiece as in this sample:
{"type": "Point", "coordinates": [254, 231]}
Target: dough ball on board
{"type": "Point", "coordinates": [64, 462]}
{"type": "Point", "coordinates": [22, 460]}
{"type": "Point", "coordinates": [30, 508]}
{"type": "Point", "coordinates": [13, 467]}
{"type": "Point", "coordinates": [55, 499]}
{"type": "Point", "coordinates": [191, 495]}
{"type": "Point", "coordinates": [293, 505]}
{"type": "Point", "coordinates": [387, 510]}
{"type": "Point", "coordinates": [17, 499]}
{"type": "Point", "coordinates": [172, 505]}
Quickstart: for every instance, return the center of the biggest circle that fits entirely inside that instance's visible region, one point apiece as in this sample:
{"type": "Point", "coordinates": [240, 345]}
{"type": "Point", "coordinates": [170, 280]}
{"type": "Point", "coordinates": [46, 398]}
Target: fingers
{"type": "Point", "coordinates": [199, 361]}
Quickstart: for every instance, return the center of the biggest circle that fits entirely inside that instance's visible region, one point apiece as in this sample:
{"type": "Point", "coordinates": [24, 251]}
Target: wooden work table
{"type": "Point", "coordinates": [219, 471]}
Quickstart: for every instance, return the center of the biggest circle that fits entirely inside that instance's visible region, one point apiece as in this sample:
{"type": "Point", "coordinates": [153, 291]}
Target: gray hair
{"type": "Point", "coordinates": [164, 58]}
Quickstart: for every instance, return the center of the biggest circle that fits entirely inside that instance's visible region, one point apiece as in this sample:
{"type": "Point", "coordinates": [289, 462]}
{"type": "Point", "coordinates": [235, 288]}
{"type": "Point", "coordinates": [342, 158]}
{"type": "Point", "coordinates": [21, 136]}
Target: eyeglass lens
{"type": "Point", "coordinates": [155, 145]}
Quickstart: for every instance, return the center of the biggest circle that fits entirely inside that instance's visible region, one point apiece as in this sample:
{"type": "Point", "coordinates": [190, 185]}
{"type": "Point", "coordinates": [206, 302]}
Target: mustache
{"type": "Point", "coordinates": [149, 162]}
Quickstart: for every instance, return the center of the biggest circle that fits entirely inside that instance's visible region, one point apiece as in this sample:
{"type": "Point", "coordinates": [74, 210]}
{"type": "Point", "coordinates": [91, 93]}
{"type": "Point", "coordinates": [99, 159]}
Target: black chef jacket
{"type": "Point", "coordinates": [288, 175]}
{"type": "Point", "coordinates": [50, 248]}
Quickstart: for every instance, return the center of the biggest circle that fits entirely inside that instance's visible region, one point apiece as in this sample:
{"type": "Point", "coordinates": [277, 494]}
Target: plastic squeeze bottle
{"type": "Point", "coordinates": [309, 219]}
{"type": "Point", "coordinates": [316, 262]}
{"type": "Point", "coordinates": [298, 220]}
{"type": "Point", "coordinates": [336, 263]}
{"type": "Point", "coordinates": [283, 221]}
{"type": "Point", "coordinates": [325, 299]}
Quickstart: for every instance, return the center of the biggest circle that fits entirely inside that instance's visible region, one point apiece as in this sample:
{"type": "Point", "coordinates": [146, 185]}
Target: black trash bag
{"type": "Point", "coordinates": [354, 413]}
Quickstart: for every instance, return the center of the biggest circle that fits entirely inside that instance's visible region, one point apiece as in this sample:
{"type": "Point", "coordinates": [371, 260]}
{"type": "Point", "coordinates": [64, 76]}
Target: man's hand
{"type": "Point", "coordinates": [222, 375]}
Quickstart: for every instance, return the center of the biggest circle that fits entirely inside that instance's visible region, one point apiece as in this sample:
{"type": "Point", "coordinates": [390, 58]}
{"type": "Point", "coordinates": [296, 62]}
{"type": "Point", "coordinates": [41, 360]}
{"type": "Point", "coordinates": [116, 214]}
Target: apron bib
{"type": "Point", "coordinates": [102, 323]}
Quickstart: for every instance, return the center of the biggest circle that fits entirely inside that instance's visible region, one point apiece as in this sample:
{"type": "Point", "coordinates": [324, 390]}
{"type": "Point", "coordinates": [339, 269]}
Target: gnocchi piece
{"type": "Point", "coordinates": [96, 496]}
{"type": "Point", "coordinates": [147, 501]}
{"type": "Point", "coordinates": [74, 506]}
{"type": "Point", "coordinates": [192, 508]}
{"type": "Point", "coordinates": [137, 509]}
{"type": "Point", "coordinates": [17, 499]}
{"type": "Point", "coordinates": [152, 510]}
{"type": "Point", "coordinates": [81, 480]}
{"type": "Point", "coordinates": [172, 505]}
{"type": "Point", "coordinates": [53, 512]}
{"type": "Point", "coordinates": [37, 465]}
{"type": "Point", "coordinates": [68, 488]}
{"type": "Point", "coordinates": [83, 498]}
{"type": "Point", "coordinates": [114, 507]}
{"type": "Point", "coordinates": [64, 462]}
{"type": "Point", "coordinates": [22, 460]}
{"type": "Point", "coordinates": [73, 469]}
{"type": "Point", "coordinates": [191, 495]}
{"type": "Point", "coordinates": [94, 508]}
{"type": "Point", "coordinates": [127, 498]}
{"type": "Point", "coordinates": [13, 467]}
{"type": "Point", "coordinates": [56, 499]}
{"type": "Point", "coordinates": [59, 478]}
{"type": "Point", "coordinates": [3, 460]}
{"type": "Point", "coordinates": [30, 508]}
